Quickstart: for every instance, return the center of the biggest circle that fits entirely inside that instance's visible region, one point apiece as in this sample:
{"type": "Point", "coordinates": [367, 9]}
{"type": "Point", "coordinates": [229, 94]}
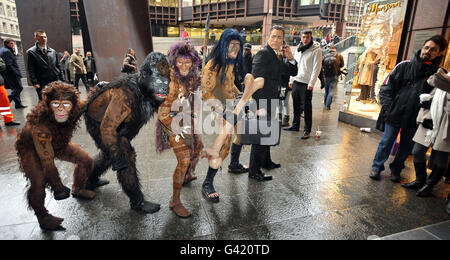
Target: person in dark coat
{"type": "Point", "coordinates": [268, 63]}
{"type": "Point", "coordinates": [91, 68]}
{"type": "Point", "coordinates": [400, 102]}
{"type": "Point", "coordinates": [12, 73]}
{"type": "Point", "coordinates": [43, 63]}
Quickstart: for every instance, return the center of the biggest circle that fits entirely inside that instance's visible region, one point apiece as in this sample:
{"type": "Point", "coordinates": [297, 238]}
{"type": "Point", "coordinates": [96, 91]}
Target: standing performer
{"type": "Point", "coordinates": [179, 104]}
{"type": "Point", "coordinates": [115, 113]}
{"type": "Point", "coordinates": [46, 137]}
{"type": "Point", "coordinates": [218, 83]}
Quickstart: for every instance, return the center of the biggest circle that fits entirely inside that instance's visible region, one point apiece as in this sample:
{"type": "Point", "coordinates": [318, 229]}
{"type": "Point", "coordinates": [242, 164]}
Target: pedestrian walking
{"type": "Point", "coordinates": [42, 63]}
{"type": "Point", "coordinates": [309, 59]}
{"type": "Point", "coordinates": [5, 106]}
{"type": "Point", "coordinates": [80, 69]}
{"type": "Point", "coordinates": [129, 65]}
{"type": "Point", "coordinates": [399, 97]}
{"type": "Point", "coordinates": [331, 66]}
{"type": "Point", "coordinates": [91, 68]}
{"type": "Point", "coordinates": [12, 74]}
{"type": "Point", "coordinates": [434, 125]}
{"type": "Point", "coordinates": [64, 64]}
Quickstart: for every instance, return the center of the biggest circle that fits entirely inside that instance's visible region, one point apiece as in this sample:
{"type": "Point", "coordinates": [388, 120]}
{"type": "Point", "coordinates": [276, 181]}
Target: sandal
{"type": "Point", "coordinates": [208, 190]}
{"type": "Point", "coordinates": [189, 178]}
{"type": "Point", "coordinates": [179, 209]}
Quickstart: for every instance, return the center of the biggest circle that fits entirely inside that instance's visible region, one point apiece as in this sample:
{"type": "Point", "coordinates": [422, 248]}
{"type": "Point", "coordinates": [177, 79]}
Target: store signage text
{"type": "Point", "coordinates": [376, 8]}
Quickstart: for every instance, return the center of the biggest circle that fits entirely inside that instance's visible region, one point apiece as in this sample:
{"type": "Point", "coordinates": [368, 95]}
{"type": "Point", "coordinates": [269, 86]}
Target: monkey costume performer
{"type": "Point", "coordinates": [46, 137]}
{"type": "Point", "coordinates": [177, 118]}
{"type": "Point", "coordinates": [218, 84]}
{"type": "Point", "coordinates": [115, 113]}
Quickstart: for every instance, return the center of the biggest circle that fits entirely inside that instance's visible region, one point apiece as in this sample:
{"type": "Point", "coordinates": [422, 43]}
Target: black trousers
{"type": "Point", "coordinates": [90, 78]}
{"type": "Point", "coordinates": [16, 87]}
{"type": "Point", "coordinates": [84, 79]}
{"type": "Point", "coordinates": [259, 157]}
{"type": "Point", "coordinates": [302, 102]}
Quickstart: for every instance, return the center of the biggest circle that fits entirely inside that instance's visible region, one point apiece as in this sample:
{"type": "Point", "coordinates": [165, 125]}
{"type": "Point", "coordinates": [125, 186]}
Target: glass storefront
{"type": "Point", "coordinates": [375, 56]}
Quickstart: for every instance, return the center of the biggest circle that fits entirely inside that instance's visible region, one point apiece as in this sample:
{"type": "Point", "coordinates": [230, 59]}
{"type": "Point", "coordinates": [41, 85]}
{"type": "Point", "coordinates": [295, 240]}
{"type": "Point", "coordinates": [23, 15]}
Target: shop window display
{"type": "Point", "coordinates": [378, 45]}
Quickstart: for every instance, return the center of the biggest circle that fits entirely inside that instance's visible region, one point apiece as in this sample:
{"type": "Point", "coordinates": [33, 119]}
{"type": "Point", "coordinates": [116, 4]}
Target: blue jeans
{"type": "Point", "coordinates": [331, 82]}
{"type": "Point", "coordinates": [384, 148]}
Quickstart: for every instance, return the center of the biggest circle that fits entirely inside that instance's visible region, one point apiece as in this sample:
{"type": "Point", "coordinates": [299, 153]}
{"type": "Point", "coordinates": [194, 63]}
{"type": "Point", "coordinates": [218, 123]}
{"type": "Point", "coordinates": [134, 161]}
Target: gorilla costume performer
{"type": "Point", "coordinates": [177, 120]}
{"type": "Point", "coordinates": [218, 84]}
{"type": "Point", "coordinates": [115, 113]}
{"type": "Point", "coordinates": [46, 137]}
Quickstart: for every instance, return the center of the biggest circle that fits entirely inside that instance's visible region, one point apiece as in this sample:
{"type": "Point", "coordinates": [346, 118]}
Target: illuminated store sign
{"type": "Point", "coordinates": [376, 8]}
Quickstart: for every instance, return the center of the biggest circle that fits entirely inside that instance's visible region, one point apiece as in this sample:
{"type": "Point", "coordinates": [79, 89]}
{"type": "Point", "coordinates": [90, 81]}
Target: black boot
{"type": "Point", "coordinates": [208, 187]}
{"type": "Point", "coordinates": [235, 166]}
{"type": "Point", "coordinates": [421, 177]}
{"type": "Point", "coordinates": [435, 176]}
{"type": "Point", "coordinates": [447, 204]}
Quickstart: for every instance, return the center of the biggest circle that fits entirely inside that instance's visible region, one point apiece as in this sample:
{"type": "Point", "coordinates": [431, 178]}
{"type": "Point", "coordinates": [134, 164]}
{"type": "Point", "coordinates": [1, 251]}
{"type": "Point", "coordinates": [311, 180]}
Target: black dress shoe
{"type": "Point", "coordinates": [20, 106]}
{"type": "Point", "coordinates": [272, 166]}
{"type": "Point", "coordinates": [237, 169]}
{"type": "Point", "coordinates": [306, 135]}
{"type": "Point", "coordinates": [395, 177]}
{"type": "Point", "coordinates": [13, 123]}
{"type": "Point", "coordinates": [415, 185]}
{"type": "Point", "coordinates": [425, 191]}
{"type": "Point", "coordinates": [292, 128]}
{"type": "Point", "coordinates": [260, 177]}
{"type": "Point", "coordinates": [375, 175]}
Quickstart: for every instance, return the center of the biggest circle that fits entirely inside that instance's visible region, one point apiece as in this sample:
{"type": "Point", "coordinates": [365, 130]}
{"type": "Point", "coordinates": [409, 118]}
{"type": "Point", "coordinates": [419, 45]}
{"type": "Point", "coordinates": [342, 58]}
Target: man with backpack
{"type": "Point", "coordinates": [331, 66]}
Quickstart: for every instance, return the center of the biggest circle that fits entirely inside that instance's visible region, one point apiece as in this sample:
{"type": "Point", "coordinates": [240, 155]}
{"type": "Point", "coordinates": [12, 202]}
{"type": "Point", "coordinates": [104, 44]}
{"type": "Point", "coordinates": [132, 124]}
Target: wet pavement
{"type": "Point", "coordinates": [322, 191]}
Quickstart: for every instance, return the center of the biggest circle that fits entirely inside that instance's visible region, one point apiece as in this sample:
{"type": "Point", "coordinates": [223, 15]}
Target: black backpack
{"type": "Point", "coordinates": [329, 64]}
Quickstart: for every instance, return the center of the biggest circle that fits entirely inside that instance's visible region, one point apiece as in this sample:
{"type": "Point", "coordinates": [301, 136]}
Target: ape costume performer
{"type": "Point", "coordinates": [115, 113]}
{"type": "Point", "coordinates": [46, 137]}
{"type": "Point", "coordinates": [186, 144]}
{"type": "Point", "coordinates": [218, 83]}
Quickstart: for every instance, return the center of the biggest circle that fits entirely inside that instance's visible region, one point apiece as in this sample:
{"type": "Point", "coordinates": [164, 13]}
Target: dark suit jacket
{"type": "Point", "coordinates": [268, 66]}
{"type": "Point", "coordinates": [43, 70]}
{"type": "Point", "coordinates": [12, 73]}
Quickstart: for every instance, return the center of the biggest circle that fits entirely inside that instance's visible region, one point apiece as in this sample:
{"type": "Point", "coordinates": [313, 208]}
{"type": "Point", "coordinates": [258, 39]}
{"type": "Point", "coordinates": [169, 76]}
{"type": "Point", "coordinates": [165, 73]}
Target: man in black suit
{"type": "Point", "coordinates": [12, 73]}
{"type": "Point", "coordinates": [269, 63]}
{"type": "Point", "coordinates": [43, 63]}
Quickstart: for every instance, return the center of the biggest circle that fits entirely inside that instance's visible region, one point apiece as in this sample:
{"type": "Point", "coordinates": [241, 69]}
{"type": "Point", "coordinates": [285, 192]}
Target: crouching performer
{"type": "Point", "coordinates": [178, 120]}
{"type": "Point", "coordinates": [218, 84]}
{"type": "Point", "coordinates": [46, 137]}
{"type": "Point", "coordinates": [115, 113]}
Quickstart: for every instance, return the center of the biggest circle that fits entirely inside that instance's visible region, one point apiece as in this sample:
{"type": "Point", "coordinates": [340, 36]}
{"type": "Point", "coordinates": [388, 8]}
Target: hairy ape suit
{"type": "Point", "coordinates": [177, 120]}
{"type": "Point", "coordinates": [115, 113]}
{"type": "Point", "coordinates": [46, 137]}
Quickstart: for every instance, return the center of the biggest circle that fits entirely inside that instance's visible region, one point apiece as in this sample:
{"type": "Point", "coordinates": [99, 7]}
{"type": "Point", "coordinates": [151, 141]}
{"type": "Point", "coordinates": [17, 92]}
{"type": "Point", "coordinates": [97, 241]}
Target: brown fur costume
{"type": "Point", "coordinates": [41, 142]}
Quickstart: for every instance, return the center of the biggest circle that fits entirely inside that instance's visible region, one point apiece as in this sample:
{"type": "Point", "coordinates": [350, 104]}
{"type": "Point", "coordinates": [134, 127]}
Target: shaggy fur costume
{"type": "Point", "coordinates": [43, 140]}
{"type": "Point", "coordinates": [187, 148]}
{"type": "Point", "coordinates": [115, 114]}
